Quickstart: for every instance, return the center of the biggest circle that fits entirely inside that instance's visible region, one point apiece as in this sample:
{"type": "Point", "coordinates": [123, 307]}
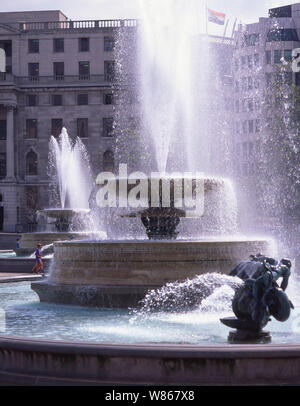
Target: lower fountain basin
{"type": "Point", "coordinates": [54, 345]}
{"type": "Point", "coordinates": [119, 273]}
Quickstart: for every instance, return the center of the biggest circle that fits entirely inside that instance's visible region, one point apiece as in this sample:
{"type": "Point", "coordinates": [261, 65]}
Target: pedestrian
{"type": "Point", "coordinates": [38, 267]}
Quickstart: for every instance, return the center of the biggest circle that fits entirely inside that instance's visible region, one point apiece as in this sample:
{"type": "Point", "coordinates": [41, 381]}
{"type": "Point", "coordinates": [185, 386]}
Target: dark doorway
{"type": "Point", "coordinates": [1, 217]}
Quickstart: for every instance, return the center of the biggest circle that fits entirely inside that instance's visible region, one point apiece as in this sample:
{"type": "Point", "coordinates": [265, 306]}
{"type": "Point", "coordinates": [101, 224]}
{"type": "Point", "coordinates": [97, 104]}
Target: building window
{"type": "Point", "coordinates": [83, 44]}
{"type": "Point", "coordinates": [31, 164]}
{"type": "Point", "coordinates": [250, 147]}
{"type": "Point", "coordinates": [268, 79]}
{"type": "Point", "coordinates": [285, 11]}
{"type": "Point", "coordinates": [56, 126]}
{"type": "Point", "coordinates": [277, 55]}
{"type": "Point", "coordinates": [237, 106]}
{"type": "Point", "coordinates": [244, 84]}
{"type": "Point", "coordinates": [133, 121]}
{"type": "Point", "coordinates": [256, 59]}
{"type": "Point", "coordinates": [286, 34]}
{"type": "Point", "coordinates": [256, 83]}
{"type": "Point", "coordinates": [288, 55]}
{"type": "Point", "coordinates": [288, 78]}
{"type": "Point", "coordinates": [31, 197]}
{"type": "Point", "coordinates": [108, 98]}
{"type": "Point", "coordinates": [257, 103]}
{"type": "Point", "coordinates": [31, 100]}
{"type": "Point", "coordinates": [278, 78]}
{"type": "Point", "coordinates": [33, 46]}
{"type": "Point", "coordinates": [7, 45]}
{"type": "Point", "coordinates": [58, 45]}
{"type": "Point", "coordinates": [250, 105]}
{"type": "Point", "coordinates": [33, 70]}
{"type": "Point", "coordinates": [257, 126]}
{"type": "Point", "coordinates": [84, 70]}
{"type": "Point", "coordinates": [243, 60]}
{"type": "Point", "coordinates": [108, 161]}
{"type": "Point", "coordinates": [249, 58]}
{"type": "Point", "coordinates": [57, 100]}
{"type": "Point", "coordinates": [236, 86]}
{"type": "Point", "coordinates": [82, 127]}
{"type": "Point", "coordinates": [245, 149]}
{"type": "Point", "coordinates": [250, 83]}
{"type": "Point", "coordinates": [82, 99]}
{"type": "Point", "coordinates": [2, 129]}
{"type": "Point", "coordinates": [250, 126]}
{"type": "Point", "coordinates": [236, 64]}
{"type": "Point", "coordinates": [251, 39]}
{"type": "Point", "coordinates": [268, 57]}
{"type": "Point", "coordinates": [109, 70]}
{"type": "Point", "coordinates": [237, 127]}
{"type": "Point", "coordinates": [244, 105]}
{"type": "Point", "coordinates": [108, 124]}
{"type": "Point", "coordinates": [31, 128]}
{"type": "Point", "coordinates": [58, 70]}
{"type": "Point", "coordinates": [245, 127]}
{"type": "Point", "coordinates": [109, 43]}
{"type": "Point", "coordinates": [2, 165]}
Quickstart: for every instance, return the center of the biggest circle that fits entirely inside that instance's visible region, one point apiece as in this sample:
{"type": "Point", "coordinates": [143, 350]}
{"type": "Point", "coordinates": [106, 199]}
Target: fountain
{"type": "Point", "coordinates": [119, 271]}
{"type": "Point", "coordinates": [70, 179]}
{"type": "Point", "coordinates": [83, 272]}
{"type": "Point", "coordinates": [168, 261]}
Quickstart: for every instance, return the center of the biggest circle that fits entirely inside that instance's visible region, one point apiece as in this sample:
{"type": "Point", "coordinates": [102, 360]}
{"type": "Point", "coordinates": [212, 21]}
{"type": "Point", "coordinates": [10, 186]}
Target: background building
{"type": "Point", "coordinates": [260, 51]}
{"type": "Point", "coordinates": [58, 73]}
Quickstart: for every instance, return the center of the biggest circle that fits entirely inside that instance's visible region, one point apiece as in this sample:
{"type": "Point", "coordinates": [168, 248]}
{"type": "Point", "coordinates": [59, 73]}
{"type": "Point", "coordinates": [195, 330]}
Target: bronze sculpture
{"type": "Point", "coordinates": [259, 298]}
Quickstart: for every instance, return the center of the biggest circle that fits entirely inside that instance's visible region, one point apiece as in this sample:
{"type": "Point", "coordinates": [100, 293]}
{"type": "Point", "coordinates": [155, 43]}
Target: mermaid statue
{"type": "Point", "coordinates": [259, 297]}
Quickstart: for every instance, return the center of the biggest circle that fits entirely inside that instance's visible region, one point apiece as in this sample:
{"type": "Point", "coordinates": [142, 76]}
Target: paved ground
{"type": "Point", "coordinates": [17, 277]}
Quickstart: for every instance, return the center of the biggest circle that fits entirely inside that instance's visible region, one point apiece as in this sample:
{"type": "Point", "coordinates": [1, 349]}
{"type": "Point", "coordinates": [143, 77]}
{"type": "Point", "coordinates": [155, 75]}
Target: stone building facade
{"type": "Point", "coordinates": [260, 49]}
{"type": "Point", "coordinates": [58, 73]}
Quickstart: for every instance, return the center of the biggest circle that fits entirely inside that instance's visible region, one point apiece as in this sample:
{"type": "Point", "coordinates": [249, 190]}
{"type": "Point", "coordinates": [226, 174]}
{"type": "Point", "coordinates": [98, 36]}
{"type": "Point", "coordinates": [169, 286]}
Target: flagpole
{"type": "Point", "coordinates": [206, 19]}
{"type": "Point", "coordinates": [225, 28]}
{"type": "Point", "coordinates": [233, 29]}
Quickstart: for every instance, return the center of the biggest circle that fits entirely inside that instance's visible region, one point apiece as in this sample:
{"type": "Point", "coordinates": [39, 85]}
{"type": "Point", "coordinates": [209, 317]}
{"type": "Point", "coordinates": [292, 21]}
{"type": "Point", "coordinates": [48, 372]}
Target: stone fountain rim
{"type": "Point", "coordinates": [161, 242]}
{"type": "Point", "coordinates": [164, 350]}
{"type": "Point", "coordinates": [23, 363]}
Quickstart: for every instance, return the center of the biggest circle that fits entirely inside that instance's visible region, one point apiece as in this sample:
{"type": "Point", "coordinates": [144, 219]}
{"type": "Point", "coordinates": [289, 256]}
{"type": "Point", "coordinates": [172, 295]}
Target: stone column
{"type": "Point", "coordinates": [10, 145]}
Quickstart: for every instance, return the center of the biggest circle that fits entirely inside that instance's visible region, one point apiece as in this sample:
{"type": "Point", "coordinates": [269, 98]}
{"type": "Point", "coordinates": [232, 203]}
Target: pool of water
{"type": "Point", "coordinates": [8, 255]}
{"type": "Point", "coordinates": [21, 314]}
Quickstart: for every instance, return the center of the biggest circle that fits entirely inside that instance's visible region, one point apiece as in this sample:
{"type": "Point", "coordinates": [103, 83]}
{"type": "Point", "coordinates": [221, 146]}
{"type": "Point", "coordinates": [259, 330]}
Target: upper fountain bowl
{"type": "Point", "coordinates": [64, 219]}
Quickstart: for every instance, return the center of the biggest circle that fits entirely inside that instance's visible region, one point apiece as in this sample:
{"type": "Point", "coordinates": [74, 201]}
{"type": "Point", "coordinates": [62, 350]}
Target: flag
{"type": "Point", "coordinates": [216, 17]}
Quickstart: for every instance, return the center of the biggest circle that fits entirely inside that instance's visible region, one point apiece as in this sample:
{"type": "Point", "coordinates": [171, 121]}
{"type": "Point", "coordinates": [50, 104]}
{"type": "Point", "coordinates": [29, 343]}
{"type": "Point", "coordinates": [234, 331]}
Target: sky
{"type": "Point", "coordinates": [244, 10]}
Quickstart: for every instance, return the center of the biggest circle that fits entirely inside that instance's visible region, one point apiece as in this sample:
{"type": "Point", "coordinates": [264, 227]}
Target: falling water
{"type": "Point", "coordinates": [173, 83]}
{"type": "Point", "coordinates": [189, 294]}
{"type": "Point", "coordinates": [69, 170]}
